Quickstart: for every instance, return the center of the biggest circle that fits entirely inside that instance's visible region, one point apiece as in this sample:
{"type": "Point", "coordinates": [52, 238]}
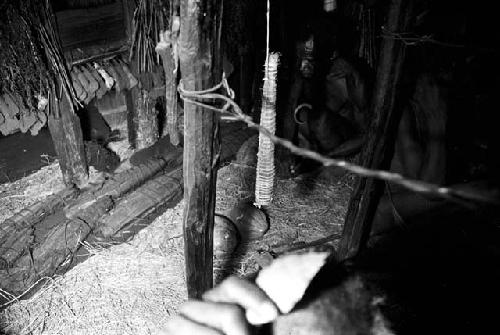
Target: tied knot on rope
{"type": "Point", "coordinates": [227, 95]}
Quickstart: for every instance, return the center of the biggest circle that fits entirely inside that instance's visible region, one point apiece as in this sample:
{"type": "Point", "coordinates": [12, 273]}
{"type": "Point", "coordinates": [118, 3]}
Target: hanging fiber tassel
{"type": "Point", "coordinates": [265, 158]}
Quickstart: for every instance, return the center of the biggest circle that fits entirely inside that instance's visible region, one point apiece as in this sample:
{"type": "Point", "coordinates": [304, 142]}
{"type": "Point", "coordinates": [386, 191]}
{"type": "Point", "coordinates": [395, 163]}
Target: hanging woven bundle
{"type": "Point", "coordinates": [265, 158]}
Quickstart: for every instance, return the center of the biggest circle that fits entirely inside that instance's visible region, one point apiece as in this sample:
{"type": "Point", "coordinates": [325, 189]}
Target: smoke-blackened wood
{"type": "Point", "coordinates": [67, 136]}
{"type": "Point", "coordinates": [145, 119]}
{"type": "Point", "coordinates": [380, 145]}
{"type": "Point", "coordinates": [167, 49]}
{"type": "Point", "coordinates": [201, 64]}
{"type": "Point", "coordinates": [124, 182]}
{"type": "Point", "coordinates": [16, 232]}
{"type": "Point", "coordinates": [43, 258]}
{"type": "Point", "coordinates": [29, 251]}
{"type": "Point", "coordinates": [135, 206]}
{"type": "Point", "coordinates": [170, 64]}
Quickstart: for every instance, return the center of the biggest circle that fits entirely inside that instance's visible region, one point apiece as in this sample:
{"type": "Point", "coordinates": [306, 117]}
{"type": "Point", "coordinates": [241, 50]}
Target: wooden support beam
{"type": "Point", "coordinates": [66, 133]}
{"type": "Point", "coordinates": [201, 65]}
{"type": "Point", "coordinates": [166, 50]}
{"type": "Point", "coordinates": [142, 116]}
{"type": "Point", "coordinates": [145, 119]}
{"type": "Point", "coordinates": [378, 151]}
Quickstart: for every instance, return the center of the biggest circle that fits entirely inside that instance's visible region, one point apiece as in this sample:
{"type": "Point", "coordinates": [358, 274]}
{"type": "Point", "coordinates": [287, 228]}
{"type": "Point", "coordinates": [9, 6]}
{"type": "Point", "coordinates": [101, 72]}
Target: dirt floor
{"type": "Point", "coordinates": [22, 154]}
{"type": "Point", "coordinates": [133, 287]}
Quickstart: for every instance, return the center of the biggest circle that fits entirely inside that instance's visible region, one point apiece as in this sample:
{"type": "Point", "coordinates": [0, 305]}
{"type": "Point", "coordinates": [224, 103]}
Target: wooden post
{"type": "Point", "coordinates": [142, 116]}
{"type": "Point", "coordinates": [66, 133]}
{"type": "Point", "coordinates": [378, 151]}
{"type": "Point", "coordinates": [166, 51]}
{"type": "Point", "coordinates": [201, 66]}
{"type": "Point", "coordinates": [145, 119]}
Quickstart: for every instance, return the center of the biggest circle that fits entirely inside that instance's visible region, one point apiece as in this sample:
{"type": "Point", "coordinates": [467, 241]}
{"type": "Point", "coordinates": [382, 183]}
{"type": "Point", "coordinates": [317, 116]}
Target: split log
{"type": "Point", "coordinates": [67, 136]}
{"type": "Point", "coordinates": [54, 250]}
{"type": "Point", "coordinates": [378, 151]}
{"type": "Point", "coordinates": [165, 189]}
{"type": "Point", "coordinates": [124, 182]}
{"type": "Point", "coordinates": [43, 258]}
{"type": "Point", "coordinates": [201, 68]}
{"type": "Point", "coordinates": [16, 233]}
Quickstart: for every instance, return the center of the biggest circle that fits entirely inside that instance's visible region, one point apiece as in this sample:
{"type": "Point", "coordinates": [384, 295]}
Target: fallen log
{"type": "Point", "coordinates": [43, 257]}
{"type": "Point", "coordinates": [52, 252]}
{"type": "Point", "coordinates": [17, 233]}
{"type": "Point", "coordinates": [164, 189]}
{"type": "Point", "coordinates": [125, 181]}
{"type": "Point", "coordinates": [18, 229]}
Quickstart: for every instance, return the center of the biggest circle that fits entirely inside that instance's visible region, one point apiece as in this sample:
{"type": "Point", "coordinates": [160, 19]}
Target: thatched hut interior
{"type": "Point", "coordinates": [151, 149]}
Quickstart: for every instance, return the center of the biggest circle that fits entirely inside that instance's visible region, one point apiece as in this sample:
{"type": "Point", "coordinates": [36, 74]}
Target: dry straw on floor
{"type": "Point", "coordinates": [29, 190]}
{"type": "Point", "coordinates": [133, 288]}
{"type": "Point", "coordinates": [130, 288]}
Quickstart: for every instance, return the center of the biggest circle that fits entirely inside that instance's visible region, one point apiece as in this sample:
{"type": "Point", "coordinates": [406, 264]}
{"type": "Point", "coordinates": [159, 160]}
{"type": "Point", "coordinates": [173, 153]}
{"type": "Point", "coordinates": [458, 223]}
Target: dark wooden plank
{"type": "Point", "coordinates": [66, 133]}
{"type": "Point", "coordinates": [53, 249]}
{"type": "Point", "coordinates": [380, 145]}
{"type": "Point", "coordinates": [16, 232]}
{"type": "Point", "coordinates": [201, 64]}
{"type": "Point", "coordinates": [169, 62]}
{"type": "Point", "coordinates": [145, 119]}
{"type": "Point", "coordinates": [134, 207]}
{"type": "Point", "coordinates": [23, 262]}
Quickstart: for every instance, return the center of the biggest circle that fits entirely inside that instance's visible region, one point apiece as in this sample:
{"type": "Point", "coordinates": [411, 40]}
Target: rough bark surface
{"type": "Point", "coordinates": [67, 136]}
{"type": "Point", "coordinates": [38, 249]}
{"type": "Point", "coordinates": [201, 69]}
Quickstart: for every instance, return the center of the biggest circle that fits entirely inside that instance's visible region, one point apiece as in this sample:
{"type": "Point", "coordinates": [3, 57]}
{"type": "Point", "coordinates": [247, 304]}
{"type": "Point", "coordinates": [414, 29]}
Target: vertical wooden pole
{"type": "Point", "coordinates": [380, 146]}
{"type": "Point", "coordinates": [201, 65]}
{"type": "Point", "coordinates": [169, 62]}
{"type": "Point", "coordinates": [142, 116]}
{"type": "Point", "coordinates": [66, 133]}
{"type": "Point", "coordinates": [145, 119]}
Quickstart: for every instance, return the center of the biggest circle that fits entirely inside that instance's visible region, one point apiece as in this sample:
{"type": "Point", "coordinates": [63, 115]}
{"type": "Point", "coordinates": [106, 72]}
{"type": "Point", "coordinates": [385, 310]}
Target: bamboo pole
{"type": "Point", "coordinates": [201, 68]}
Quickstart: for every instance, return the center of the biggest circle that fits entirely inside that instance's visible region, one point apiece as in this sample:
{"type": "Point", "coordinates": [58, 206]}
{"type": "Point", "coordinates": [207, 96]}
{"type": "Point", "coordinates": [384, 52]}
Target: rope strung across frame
{"type": "Point", "coordinates": [396, 178]}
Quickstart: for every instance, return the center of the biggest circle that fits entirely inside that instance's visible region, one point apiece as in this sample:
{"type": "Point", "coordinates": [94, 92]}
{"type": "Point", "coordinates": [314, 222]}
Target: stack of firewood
{"type": "Point", "coordinates": [90, 80]}
{"type": "Point", "coordinates": [93, 80]}
{"type": "Point", "coordinates": [14, 115]}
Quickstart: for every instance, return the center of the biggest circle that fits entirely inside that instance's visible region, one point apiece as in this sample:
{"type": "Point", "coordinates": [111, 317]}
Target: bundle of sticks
{"type": "Point", "coordinates": [150, 18]}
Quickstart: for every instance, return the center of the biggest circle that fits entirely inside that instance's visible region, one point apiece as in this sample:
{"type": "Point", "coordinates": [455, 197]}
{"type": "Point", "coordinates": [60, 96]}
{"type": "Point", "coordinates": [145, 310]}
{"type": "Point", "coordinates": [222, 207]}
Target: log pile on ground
{"type": "Point", "coordinates": [135, 287]}
{"type": "Point", "coordinates": [34, 248]}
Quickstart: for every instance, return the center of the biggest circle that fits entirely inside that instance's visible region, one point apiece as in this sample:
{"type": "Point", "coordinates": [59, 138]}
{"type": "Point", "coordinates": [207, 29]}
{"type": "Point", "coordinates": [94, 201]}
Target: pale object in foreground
{"type": "Point", "coordinates": [287, 278]}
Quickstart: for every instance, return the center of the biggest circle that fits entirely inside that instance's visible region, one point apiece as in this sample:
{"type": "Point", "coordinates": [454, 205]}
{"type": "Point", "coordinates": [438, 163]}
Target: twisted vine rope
{"type": "Point", "coordinates": [418, 186]}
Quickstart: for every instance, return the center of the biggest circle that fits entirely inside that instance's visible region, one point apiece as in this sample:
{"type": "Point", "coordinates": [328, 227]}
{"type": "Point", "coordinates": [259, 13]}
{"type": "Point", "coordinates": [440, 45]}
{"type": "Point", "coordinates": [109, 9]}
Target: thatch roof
{"type": "Point", "coordinates": [31, 60]}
